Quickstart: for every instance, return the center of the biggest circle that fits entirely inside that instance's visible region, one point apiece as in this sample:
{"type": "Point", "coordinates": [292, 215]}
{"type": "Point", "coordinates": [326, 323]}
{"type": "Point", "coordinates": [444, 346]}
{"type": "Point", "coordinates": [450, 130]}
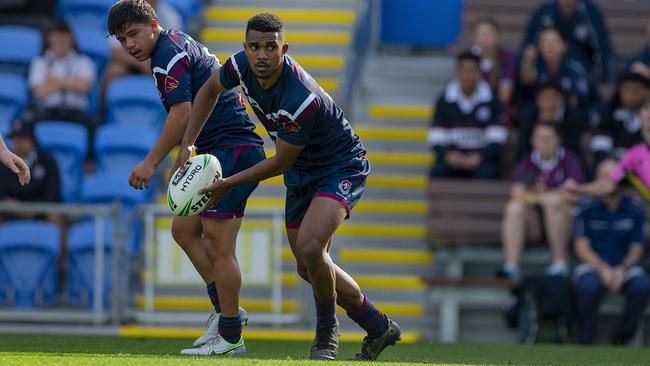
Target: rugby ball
{"type": "Point", "coordinates": [183, 195]}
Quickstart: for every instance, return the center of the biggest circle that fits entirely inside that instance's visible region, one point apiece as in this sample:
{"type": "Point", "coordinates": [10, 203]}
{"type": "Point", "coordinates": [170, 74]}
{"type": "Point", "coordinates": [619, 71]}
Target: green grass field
{"type": "Point", "coordinates": [126, 351]}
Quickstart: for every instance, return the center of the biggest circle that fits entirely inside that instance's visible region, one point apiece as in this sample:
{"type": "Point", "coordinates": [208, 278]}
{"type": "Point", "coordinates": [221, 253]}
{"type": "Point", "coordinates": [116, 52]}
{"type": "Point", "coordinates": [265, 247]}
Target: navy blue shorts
{"type": "Point", "coordinates": [234, 160]}
{"type": "Point", "coordinates": [343, 183]}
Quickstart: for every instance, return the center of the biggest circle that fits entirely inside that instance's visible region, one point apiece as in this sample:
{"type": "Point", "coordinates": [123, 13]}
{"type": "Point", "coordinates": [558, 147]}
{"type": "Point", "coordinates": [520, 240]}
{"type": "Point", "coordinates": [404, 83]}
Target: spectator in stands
{"type": "Point", "coordinates": [632, 167]}
{"type": "Point", "coordinates": [468, 126]}
{"type": "Point", "coordinates": [640, 62]}
{"type": "Point", "coordinates": [44, 185]}
{"type": "Point", "coordinates": [551, 107]}
{"type": "Point", "coordinates": [620, 127]}
{"type": "Point", "coordinates": [536, 209]}
{"type": "Point", "coordinates": [61, 78]}
{"type": "Point", "coordinates": [549, 61]}
{"type": "Point", "coordinates": [122, 64]}
{"type": "Point", "coordinates": [581, 23]}
{"type": "Point", "coordinates": [498, 65]}
{"type": "Point", "coordinates": [609, 245]}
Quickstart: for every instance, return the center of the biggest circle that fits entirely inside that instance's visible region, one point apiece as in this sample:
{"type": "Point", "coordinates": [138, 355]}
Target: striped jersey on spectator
{"type": "Point", "coordinates": [474, 123]}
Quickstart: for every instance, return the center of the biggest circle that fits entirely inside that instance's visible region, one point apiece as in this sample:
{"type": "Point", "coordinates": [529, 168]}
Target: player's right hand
{"type": "Point", "coordinates": [141, 175]}
{"type": "Point", "coordinates": [184, 154]}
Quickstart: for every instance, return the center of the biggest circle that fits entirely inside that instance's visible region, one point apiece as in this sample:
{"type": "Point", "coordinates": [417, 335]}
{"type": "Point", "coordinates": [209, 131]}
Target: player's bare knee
{"type": "Point", "coordinates": [311, 252]}
{"type": "Point", "coordinates": [302, 272]}
{"type": "Point", "coordinates": [182, 235]}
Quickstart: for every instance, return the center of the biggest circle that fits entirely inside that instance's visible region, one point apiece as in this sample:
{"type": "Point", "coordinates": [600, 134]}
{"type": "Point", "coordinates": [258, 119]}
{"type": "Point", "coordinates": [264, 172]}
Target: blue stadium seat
{"type": "Point", "coordinates": [120, 147]}
{"type": "Point", "coordinates": [19, 46]}
{"type": "Point", "coordinates": [28, 253]}
{"type": "Point", "coordinates": [114, 187]}
{"type": "Point", "coordinates": [81, 263]}
{"type": "Point", "coordinates": [187, 8]}
{"type": "Point", "coordinates": [68, 143]}
{"type": "Point", "coordinates": [134, 100]}
{"type": "Point", "coordinates": [13, 97]}
{"type": "Point", "coordinates": [89, 14]}
{"type": "Point", "coordinates": [111, 187]}
{"type": "Point", "coordinates": [94, 44]}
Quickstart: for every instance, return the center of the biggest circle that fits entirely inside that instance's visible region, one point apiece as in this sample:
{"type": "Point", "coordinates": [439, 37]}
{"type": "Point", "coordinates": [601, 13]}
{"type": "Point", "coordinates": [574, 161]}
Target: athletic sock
{"type": "Point", "coordinates": [214, 298]}
{"type": "Point", "coordinates": [325, 313]}
{"type": "Point", "coordinates": [370, 318]}
{"type": "Point", "coordinates": [230, 328]}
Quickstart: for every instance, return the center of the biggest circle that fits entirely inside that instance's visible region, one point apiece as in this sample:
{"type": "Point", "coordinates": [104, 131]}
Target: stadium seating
{"type": "Point", "coordinates": [187, 8]}
{"type": "Point", "coordinates": [28, 252]}
{"type": "Point", "coordinates": [94, 44]}
{"type": "Point", "coordinates": [68, 143]}
{"type": "Point", "coordinates": [81, 263]}
{"type": "Point", "coordinates": [20, 46]}
{"type": "Point", "coordinates": [120, 147]}
{"type": "Point", "coordinates": [85, 14]}
{"type": "Point", "coordinates": [114, 187]}
{"type": "Point", "coordinates": [13, 97]}
{"type": "Point", "coordinates": [134, 100]}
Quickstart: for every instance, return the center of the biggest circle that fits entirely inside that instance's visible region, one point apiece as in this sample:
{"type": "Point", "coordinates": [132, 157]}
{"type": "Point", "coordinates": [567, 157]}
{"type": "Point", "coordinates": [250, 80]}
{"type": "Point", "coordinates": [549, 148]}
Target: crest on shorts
{"type": "Point", "coordinates": [345, 186]}
{"type": "Point", "coordinates": [170, 83]}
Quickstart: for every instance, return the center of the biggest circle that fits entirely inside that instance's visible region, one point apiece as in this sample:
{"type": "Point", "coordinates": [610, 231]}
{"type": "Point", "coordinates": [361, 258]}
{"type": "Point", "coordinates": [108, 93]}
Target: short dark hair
{"type": "Point", "coordinates": [555, 126]}
{"type": "Point", "coordinates": [125, 12]}
{"type": "Point", "coordinates": [553, 29]}
{"type": "Point", "coordinates": [265, 22]}
{"type": "Point", "coordinates": [633, 77]}
{"type": "Point", "coordinates": [550, 85]}
{"type": "Point", "coordinates": [486, 20]}
{"type": "Point", "coordinates": [468, 55]}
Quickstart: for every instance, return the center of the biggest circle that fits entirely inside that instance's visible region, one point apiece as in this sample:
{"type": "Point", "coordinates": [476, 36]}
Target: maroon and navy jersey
{"type": "Point", "coordinates": [297, 110]}
{"type": "Point", "coordinates": [180, 66]}
{"type": "Point", "coordinates": [532, 170]}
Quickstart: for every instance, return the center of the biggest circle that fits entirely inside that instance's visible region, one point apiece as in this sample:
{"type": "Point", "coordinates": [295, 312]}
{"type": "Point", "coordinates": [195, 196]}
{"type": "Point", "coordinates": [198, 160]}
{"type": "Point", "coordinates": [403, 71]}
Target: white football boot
{"type": "Point", "coordinates": [213, 327]}
{"type": "Point", "coordinates": [217, 347]}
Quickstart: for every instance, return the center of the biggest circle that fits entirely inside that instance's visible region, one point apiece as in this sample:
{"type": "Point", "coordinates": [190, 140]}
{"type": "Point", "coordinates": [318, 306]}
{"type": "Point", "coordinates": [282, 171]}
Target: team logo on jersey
{"type": "Point", "coordinates": [291, 126]}
{"type": "Point", "coordinates": [345, 186]}
{"type": "Point", "coordinates": [170, 83]}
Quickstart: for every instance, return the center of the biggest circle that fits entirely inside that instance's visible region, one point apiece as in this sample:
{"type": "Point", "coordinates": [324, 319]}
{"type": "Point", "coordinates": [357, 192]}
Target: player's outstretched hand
{"type": "Point", "coordinates": [16, 165]}
{"type": "Point", "coordinates": [140, 177]}
{"type": "Point", "coordinates": [218, 189]}
{"type": "Point", "coordinates": [184, 154]}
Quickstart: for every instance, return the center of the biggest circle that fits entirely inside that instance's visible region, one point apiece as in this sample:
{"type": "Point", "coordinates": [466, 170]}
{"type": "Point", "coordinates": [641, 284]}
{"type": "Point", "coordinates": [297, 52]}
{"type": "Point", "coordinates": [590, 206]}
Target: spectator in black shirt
{"type": "Point", "coordinates": [551, 107]}
{"type": "Point", "coordinates": [620, 127]}
{"type": "Point", "coordinates": [44, 185]}
{"type": "Point", "coordinates": [468, 127]}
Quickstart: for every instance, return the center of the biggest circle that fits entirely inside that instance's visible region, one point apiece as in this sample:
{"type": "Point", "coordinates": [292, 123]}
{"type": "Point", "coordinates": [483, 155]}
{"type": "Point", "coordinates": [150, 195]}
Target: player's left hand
{"type": "Point", "coordinates": [16, 165]}
{"type": "Point", "coordinates": [140, 177]}
{"type": "Point", "coordinates": [218, 189]}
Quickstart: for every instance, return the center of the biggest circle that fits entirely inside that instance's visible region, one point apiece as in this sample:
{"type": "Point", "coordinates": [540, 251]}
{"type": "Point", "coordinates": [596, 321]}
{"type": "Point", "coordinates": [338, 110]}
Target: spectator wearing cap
{"type": "Point", "coordinates": [551, 107]}
{"type": "Point", "coordinates": [537, 209]}
{"type": "Point", "coordinates": [468, 128]}
{"type": "Point", "coordinates": [551, 62]}
{"type": "Point", "coordinates": [44, 185]}
{"type": "Point", "coordinates": [640, 62]}
{"type": "Point", "coordinates": [620, 127]}
{"type": "Point", "coordinates": [581, 23]}
{"type": "Point", "coordinates": [609, 244]}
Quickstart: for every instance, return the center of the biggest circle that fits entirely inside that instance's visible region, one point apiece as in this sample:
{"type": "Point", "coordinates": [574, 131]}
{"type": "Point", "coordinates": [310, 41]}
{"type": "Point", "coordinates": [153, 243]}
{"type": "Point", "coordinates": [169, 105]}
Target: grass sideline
{"type": "Point", "coordinates": [21, 349]}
